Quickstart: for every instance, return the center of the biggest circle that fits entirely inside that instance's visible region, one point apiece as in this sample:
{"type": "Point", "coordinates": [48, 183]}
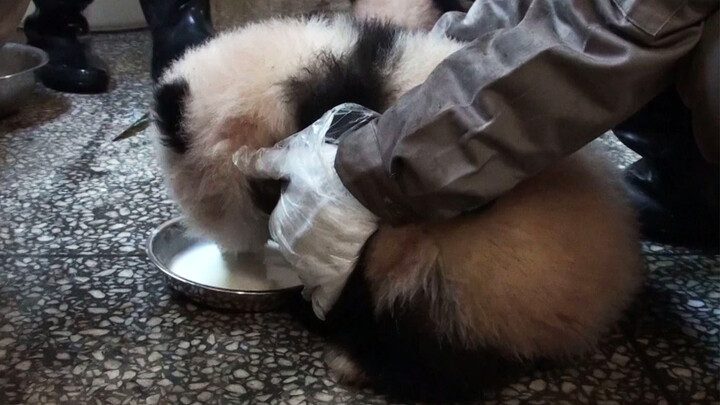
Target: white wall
{"type": "Point", "coordinates": [111, 15]}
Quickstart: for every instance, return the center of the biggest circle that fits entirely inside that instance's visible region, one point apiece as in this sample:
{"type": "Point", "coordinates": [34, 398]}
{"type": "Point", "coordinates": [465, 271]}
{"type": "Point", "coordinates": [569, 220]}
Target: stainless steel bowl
{"type": "Point", "coordinates": [188, 264]}
{"type": "Point", "coordinates": [17, 74]}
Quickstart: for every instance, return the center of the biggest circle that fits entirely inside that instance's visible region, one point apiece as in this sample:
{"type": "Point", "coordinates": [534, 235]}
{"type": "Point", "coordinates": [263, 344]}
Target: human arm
{"type": "Point", "coordinates": [549, 77]}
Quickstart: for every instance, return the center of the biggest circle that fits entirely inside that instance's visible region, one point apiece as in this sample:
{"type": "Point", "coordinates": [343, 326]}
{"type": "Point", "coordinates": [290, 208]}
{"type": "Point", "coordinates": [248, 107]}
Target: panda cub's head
{"type": "Point", "coordinates": [215, 99]}
{"type": "Point", "coordinates": [231, 92]}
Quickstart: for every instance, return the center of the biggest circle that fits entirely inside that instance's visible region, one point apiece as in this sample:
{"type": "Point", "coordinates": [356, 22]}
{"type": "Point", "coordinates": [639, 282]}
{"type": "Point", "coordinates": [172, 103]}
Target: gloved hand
{"type": "Point", "coordinates": [319, 226]}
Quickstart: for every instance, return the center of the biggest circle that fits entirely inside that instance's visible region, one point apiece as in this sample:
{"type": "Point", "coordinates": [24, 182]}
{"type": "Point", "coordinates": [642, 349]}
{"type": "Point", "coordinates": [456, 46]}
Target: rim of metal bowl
{"type": "Point", "coordinates": [159, 264]}
{"type": "Point", "coordinates": [44, 58]}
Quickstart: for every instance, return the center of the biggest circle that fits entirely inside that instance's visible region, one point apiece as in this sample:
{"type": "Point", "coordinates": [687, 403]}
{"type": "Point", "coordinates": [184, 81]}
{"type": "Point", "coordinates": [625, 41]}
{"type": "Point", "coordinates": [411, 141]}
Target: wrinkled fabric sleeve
{"type": "Point", "coordinates": [538, 80]}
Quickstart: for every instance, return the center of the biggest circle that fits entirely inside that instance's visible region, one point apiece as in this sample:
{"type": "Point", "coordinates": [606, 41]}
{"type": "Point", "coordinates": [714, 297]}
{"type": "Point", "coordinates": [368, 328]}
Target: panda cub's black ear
{"type": "Point", "coordinates": [168, 112]}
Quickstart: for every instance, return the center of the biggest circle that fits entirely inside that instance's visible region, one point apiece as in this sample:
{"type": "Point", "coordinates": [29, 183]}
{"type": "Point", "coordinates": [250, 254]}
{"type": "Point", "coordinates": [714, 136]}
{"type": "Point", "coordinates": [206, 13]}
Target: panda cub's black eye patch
{"type": "Point", "coordinates": [266, 193]}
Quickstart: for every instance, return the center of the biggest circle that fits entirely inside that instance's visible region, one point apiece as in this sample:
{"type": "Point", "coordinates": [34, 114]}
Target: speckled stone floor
{"type": "Point", "coordinates": [85, 319]}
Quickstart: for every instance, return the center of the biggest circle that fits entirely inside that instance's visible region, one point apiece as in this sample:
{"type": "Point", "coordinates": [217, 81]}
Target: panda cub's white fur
{"type": "Point", "coordinates": [541, 273]}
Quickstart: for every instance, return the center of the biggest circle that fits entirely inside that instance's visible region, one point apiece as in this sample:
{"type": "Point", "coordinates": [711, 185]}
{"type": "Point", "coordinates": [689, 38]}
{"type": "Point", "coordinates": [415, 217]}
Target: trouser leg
{"type": "Point", "coordinates": [55, 27]}
{"type": "Point", "coordinates": [175, 25]}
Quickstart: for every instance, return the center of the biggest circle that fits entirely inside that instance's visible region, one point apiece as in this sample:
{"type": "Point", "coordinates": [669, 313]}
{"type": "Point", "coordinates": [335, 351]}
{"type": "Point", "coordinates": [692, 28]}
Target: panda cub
{"type": "Point", "coordinates": [433, 310]}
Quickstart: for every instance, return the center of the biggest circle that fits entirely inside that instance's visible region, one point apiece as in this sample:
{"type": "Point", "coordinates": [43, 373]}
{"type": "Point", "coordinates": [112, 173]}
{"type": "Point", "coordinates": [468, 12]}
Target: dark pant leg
{"type": "Point", "coordinates": [59, 17]}
{"type": "Point", "coordinates": [699, 85]}
{"type": "Point", "coordinates": [55, 27]}
{"type": "Point", "coordinates": [175, 25]}
{"type": "Point", "coordinates": [674, 188]}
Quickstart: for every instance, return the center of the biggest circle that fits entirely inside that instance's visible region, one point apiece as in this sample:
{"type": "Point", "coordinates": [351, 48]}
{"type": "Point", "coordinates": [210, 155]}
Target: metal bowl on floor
{"type": "Point", "coordinates": [17, 74]}
{"type": "Point", "coordinates": [198, 269]}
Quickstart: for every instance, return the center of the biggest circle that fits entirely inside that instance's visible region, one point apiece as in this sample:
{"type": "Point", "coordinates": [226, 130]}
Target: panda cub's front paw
{"type": "Point", "coordinates": [344, 369]}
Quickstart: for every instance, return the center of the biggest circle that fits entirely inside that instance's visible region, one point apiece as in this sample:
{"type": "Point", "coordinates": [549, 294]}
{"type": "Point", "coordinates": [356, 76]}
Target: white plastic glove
{"type": "Point", "coordinates": [319, 226]}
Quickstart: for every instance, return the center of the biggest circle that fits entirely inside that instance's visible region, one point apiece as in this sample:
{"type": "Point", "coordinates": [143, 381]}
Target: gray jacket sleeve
{"type": "Point", "coordinates": [538, 80]}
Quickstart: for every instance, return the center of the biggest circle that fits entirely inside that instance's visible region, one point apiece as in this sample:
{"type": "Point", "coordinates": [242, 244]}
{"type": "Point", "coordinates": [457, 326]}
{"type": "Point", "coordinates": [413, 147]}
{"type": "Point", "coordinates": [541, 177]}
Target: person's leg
{"type": "Point", "coordinates": [674, 189]}
{"type": "Point", "coordinates": [55, 27]}
{"type": "Point", "coordinates": [175, 25]}
{"type": "Point", "coordinates": [699, 87]}
{"type": "Point", "coordinates": [675, 185]}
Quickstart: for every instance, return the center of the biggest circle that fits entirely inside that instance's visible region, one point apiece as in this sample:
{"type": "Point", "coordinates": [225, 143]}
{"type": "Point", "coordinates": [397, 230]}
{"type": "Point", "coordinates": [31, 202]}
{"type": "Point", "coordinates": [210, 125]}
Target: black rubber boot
{"type": "Point", "coordinates": [673, 188]}
{"type": "Point", "coordinates": [73, 68]}
{"type": "Point", "coordinates": [175, 25]}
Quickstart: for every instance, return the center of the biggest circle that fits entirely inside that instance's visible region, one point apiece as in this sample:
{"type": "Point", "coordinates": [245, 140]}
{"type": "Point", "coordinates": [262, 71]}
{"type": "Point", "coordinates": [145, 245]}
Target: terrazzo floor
{"type": "Point", "coordinates": [85, 319]}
